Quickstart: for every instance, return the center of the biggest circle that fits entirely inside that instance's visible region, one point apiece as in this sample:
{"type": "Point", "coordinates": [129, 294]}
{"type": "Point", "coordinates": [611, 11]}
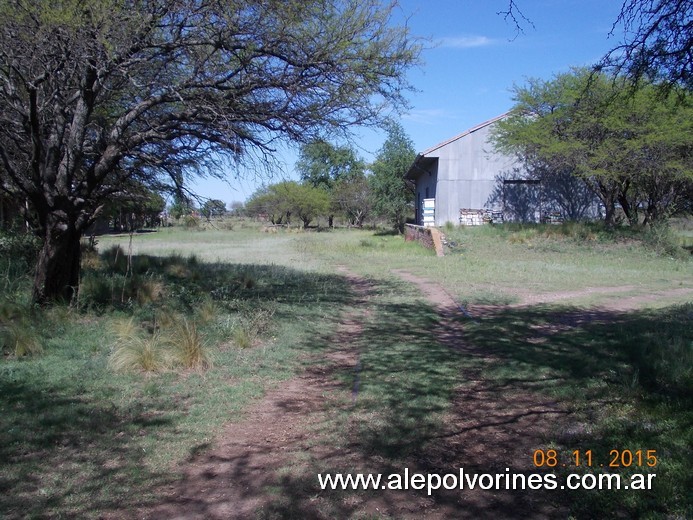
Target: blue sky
{"type": "Point", "coordinates": [467, 75]}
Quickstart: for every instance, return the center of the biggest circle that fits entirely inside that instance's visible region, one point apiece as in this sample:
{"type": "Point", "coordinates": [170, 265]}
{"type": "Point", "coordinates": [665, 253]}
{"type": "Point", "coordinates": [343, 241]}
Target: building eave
{"type": "Point", "coordinates": [419, 166]}
{"type": "Point", "coordinates": [463, 134]}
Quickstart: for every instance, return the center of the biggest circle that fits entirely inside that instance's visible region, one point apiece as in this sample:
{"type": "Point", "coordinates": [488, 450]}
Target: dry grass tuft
{"type": "Point", "coordinates": [133, 351]}
{"type": "Point", "coordinates": [189, 348]}
{"type": "Point", "coordinates": [207, 311]}
{"type": "Point", "coordinates": [18, 336]}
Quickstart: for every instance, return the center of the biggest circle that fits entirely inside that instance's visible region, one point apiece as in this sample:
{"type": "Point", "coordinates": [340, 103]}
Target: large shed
{"type": "Point", "coordinates": [462, 176]}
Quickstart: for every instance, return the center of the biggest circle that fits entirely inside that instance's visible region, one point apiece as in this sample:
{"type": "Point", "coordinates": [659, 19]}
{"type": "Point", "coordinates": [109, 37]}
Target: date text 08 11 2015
{"type": "Point", "coordinates": [616, 459]}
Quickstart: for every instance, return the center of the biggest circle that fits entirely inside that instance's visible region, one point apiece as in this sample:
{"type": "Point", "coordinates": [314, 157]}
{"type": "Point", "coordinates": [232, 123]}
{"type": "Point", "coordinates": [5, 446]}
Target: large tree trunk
{"type": "Point", "coordinates": [57, 270]}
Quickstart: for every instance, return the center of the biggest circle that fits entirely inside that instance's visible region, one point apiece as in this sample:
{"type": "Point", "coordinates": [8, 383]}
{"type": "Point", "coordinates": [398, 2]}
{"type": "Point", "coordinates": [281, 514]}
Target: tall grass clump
{"type": "Point", "coordinates": [250, 325]}
{"type": "Point", "coordinates": [189, 348]}
{"type": "Point", "coordinates": [18, 253]}
{"type": "Point", "coordinates": [18, 336]}
{"type": "Point", "coordinates": [135, 351]}
{"type": "Point", "coordinates": [22, 339]}
{"type": "Point", "coordinates": [663, 241]}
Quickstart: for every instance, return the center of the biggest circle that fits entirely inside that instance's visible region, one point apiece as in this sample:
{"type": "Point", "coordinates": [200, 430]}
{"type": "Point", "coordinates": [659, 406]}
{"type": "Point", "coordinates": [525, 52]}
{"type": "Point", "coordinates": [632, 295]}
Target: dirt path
{"type": "Point", "coordinates": [235, 479]}
{"type": "Point", "coordinates": [265, 465]}
{"type": "Point", "coordinates": [491, 428]}
{"type": "Point", "coordinates": [614, 299]}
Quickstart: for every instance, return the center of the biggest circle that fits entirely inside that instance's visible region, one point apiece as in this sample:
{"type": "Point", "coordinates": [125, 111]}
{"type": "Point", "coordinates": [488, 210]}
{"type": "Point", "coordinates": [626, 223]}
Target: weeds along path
{"type": "Point", "coordinates": [251, 470]}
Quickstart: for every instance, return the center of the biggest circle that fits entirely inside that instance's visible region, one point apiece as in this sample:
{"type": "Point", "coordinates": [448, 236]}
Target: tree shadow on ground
{"type": "Point", "coordinates": [71, 443]}
{"type": "Point", "coordinates": [443, 392]}
{"type": "Point", "coordinates": [130, 284]}
{"type": "Point", "coordinates": [437, 391]}
{"type": "Point", "coordinates": [88, 453]}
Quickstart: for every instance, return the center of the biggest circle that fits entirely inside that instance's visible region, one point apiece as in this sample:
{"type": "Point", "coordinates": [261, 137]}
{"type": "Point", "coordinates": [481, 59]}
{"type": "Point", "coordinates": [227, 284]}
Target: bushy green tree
{"type": "Point", "coordinates": [181, 206]}
{"type": "Point", "coordinates": [213, 208]}
{"type": "Point", "coordinates": [282, 201]}
{"type": "Point", "coordinates": [136, 208]}
{"type": "Point", "coordinates": [392, 197]}
{"type": "Point", "coordinates": [631, 148]}
{"type": "Point", "coordinates": [351, 196]}
{"type": "Point", "coordinates": [324, 165]}
{"type": "Point", "coordinates": [265, 203]}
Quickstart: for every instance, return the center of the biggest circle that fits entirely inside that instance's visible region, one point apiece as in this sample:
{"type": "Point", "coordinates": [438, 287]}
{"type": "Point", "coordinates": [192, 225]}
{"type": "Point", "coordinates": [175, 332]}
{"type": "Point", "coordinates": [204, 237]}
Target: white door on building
{"type": "Point", "coordinates": [429, 212]}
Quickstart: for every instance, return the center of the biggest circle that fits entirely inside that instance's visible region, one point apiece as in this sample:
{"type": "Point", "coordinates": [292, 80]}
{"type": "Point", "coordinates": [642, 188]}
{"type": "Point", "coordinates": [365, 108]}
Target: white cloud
{"type": "Point", "coordinates": [466, 42]}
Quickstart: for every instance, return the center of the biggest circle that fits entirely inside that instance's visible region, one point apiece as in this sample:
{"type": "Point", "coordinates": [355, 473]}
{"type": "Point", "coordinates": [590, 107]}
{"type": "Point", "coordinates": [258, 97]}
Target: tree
{"type": "Point", "coordinates": [658, 43]}
{"type": "Point", "coordinates": [238, 208]}
{"type": "Point", "coordinates": [279, 202]}
{"type": "Point", "coordinates": [97, 93]}
{"type": "Point", "coordinates": [266, 203]}
{"type": "Point", "coordinates": [351, 196]}
{"type": "Point", "coordinates": [213, 208]}
{"type": "Point", "coordinates": [139, 207]}
{"type": "Point", "coordinates": [181, 206]}
{"type": "Point", "coordinates": [632, 149]}
{"type": "Point", "coordinates": [304, 201]}
{"type": "Point", "coordinates": [323, 165]}
{"type": "Point", "coordinates": [392, 197]}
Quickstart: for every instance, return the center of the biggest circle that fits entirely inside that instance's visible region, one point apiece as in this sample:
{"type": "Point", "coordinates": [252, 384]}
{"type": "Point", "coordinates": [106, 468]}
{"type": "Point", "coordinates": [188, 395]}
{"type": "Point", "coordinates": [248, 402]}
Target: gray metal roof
{"type": "Point", "coordinates": [466, 132]}
{"type": "Point", "coordinates": [417, 166]}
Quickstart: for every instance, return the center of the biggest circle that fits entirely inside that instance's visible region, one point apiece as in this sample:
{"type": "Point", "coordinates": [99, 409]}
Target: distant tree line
{"type": "Point", "coordinates": [336, 183]}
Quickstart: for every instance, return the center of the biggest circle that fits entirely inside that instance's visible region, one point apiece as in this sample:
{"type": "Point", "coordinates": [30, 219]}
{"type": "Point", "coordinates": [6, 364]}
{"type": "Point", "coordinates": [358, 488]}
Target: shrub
{"type": "Point", "coordinates": [661, 238]}
{"type": "Point", "coordinates": [133, 351]}
{"type": "Point", "coordinates": [18, 254]}
{"type": "Point", "coordinates": [18, 335]}
{"type": "Point", "coordinates": [19, 245]}
{"type": "Point", "coordinates": [189, 349]}
{"type": "Point", "coordinates": [116, 259]}
{"type": "Point", "coordinates": [241, 337]}
{"type": "Point", "coordinates": [206, 311]}
{"type": "Point", "coordinates": [191, 222]}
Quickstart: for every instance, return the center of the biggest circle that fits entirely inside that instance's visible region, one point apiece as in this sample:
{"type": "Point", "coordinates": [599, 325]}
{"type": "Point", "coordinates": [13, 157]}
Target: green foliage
{"type": "Point", "coordinates": [213, 208]}
{"type": "Point", "coordinates": [252, 323]}
{"type": "Point", "coordinates": [352, 198]}
{"type": "Point", "coordinates": [136, 206]}
{"type": "Point", "coordinates": [149, 94]}
{"type": "Point", "coordinates": [18, 253]}
{"type": "Point", "coordinates": [338, 171]}
{"type": "Point", "coordinates": [623, 375]}
{"type": "Point", "coordinates": [322, 164]}
{"type": "Point", "coordinates": [191, 221]}
{"type": "Point", "coordinates": [181, 206]}
{"type": "Point", "coordinates": [662, 239]}
{"type": "Point", "coordinates": [282, 201]}
{"type": "Point", "coordinates": [392, 197]}
{"type": "Point", "coordinates": [632, 148]}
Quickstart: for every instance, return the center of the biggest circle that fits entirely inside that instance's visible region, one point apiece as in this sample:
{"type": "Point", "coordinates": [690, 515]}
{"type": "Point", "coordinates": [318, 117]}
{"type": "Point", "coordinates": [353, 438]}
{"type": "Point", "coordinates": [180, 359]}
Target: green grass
{"type": "Point", "coordinates": [80, 439]}
{"type": "Point", "coordinates": [627, 377]}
